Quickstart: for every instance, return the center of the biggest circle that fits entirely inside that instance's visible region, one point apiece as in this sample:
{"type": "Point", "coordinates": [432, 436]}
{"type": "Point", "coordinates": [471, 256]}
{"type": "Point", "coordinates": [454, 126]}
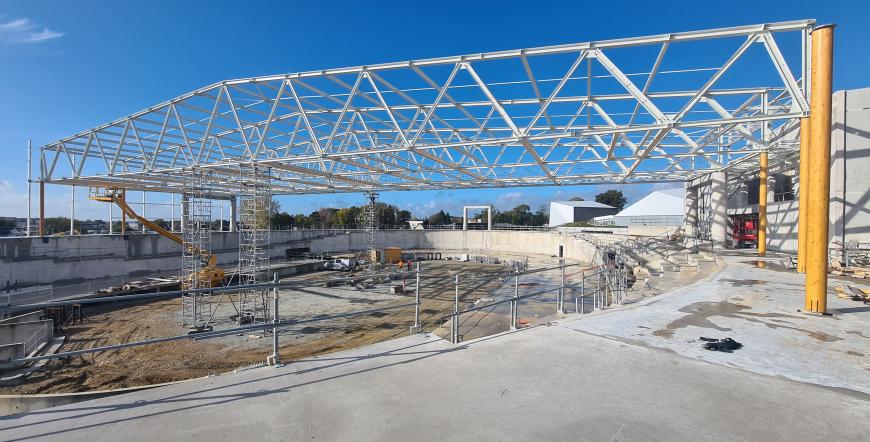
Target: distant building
{"type": "Point", "coordinates": [659, 208]}
{"type": "Point", "coordinates": [564, 212]}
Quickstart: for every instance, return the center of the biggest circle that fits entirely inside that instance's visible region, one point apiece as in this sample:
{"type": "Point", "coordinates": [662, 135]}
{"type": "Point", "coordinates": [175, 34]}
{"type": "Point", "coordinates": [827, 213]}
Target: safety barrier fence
{"type": "Point", "coordinates": [274, 326]}
{"type": "Point", "coordinates": [603, 285]}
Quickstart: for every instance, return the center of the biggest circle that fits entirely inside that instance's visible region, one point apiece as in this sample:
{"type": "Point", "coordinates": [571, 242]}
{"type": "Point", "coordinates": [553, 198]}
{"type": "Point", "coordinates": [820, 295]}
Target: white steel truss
{"type": "Point", "coordinates": [660, 108]}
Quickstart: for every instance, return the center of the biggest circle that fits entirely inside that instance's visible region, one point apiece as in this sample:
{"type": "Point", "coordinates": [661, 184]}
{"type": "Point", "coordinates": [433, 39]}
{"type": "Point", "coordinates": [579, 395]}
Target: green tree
{"type": "Point", "coordinates": [347, 217]}
{"type": "Point", "coordinates": [613, 198]}
{"type": "Point", "coordinates": [577, 198]}
{"type": "Point", "coordinates": [6, 226]}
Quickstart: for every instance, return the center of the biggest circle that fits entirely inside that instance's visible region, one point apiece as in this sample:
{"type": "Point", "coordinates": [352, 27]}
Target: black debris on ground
{"type": "Point", "coordinates": [726, 345]}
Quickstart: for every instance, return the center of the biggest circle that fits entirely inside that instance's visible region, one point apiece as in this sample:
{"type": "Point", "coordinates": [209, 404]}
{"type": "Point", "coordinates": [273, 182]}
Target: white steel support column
{"type": "Point", "coordinates": [690, 224]}
{"type": "Point", "coordinates": [719, 208]}
{"type": "Point", "coordinates": [72, 210]}
{"type": "Point", "coordinates": [233, 215]}
{"type": "Point", "coordinates": [143, 211]}
{"type": "Point", "coordinates": [488, 209]}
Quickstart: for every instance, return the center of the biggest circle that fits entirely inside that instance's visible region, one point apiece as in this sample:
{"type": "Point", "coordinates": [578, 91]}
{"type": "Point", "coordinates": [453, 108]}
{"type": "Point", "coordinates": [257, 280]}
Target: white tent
{"type": "Point", "coordinates": [659, 208]}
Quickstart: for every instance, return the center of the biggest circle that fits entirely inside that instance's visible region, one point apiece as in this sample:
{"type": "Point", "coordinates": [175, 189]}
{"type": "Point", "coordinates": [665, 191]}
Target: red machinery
{"type": "Point", "coordinates": [744, 230]}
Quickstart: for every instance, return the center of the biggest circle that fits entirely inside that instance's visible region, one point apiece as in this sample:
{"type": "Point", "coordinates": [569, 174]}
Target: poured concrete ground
{"type": "Point", "coordinates": [628, 373]}
{"type": "Point", "coordinates": [757, 307]}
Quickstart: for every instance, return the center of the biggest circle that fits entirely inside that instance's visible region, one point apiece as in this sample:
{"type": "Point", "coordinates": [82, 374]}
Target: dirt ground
{"type": "Point", "coordinates": [186, 359]}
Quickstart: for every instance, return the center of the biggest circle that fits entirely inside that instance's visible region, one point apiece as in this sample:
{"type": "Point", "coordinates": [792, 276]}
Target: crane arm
{"type": "Point", "coordinates": [118, 199]}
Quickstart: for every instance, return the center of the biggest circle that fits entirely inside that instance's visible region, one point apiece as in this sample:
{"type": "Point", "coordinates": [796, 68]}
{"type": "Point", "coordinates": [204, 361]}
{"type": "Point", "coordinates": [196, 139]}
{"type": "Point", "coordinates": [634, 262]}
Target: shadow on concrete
{"type": "Point", "coordinates": [229, 398]}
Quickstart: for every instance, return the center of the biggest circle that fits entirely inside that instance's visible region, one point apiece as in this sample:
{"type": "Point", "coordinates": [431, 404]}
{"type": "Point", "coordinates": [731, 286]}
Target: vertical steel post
{"type": "Point", "coordinates": [29, 183]}
{"type": "Point", "coordinates": [598, 289]}
{"type": "Point", "coordinates": [762, 204]}
{"type": "Point", "coordinates": [42, 208]}
{"type": "Point", "coordinates": [72, 210]}
{"type": "Point", "coordinates": [276, 359]}
{"type": "Point", "coordinates": [514, 302]}
{"type": "Point", "coordinates": [560, 305]}
{"type": "Point", "coordinates": [172, 210]}
{"type": "Point", "coordinates": [820, 169]}
{"type": "Point", "coordinates": [124, 216]}
{"type": "Point", "coordinates": [455, 338]}
{"type": "Point", "coordinates": [111, 229]}
{"type": "Point", "coordinates": [803, 195]}
{"type": "Point", "coordinates": [417, 301]}
{"type": "Point", "coordinates": [143, 210]}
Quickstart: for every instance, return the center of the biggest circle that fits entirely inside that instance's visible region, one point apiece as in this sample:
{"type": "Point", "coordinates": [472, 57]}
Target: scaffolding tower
{"type": "Point", "coordinates": [370, 222]}
{"type": "Point", "coordinates": [196, 236]}
{"type": "Point", "coordinates": [255, 201]}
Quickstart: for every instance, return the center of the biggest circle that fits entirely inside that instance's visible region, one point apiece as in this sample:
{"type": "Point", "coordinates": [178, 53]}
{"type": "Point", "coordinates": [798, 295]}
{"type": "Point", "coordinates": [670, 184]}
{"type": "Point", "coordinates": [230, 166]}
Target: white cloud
{"type": "Point", "coordinates": [23, 30]}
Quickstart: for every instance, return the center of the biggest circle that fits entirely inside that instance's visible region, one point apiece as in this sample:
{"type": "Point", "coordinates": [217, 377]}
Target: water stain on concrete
{"type": "Point", "coordinates": [699, 315]}
{"type": "Point", "coordinates": [855, 332]}
{"type": "Point", "coordinates": [743, 282]}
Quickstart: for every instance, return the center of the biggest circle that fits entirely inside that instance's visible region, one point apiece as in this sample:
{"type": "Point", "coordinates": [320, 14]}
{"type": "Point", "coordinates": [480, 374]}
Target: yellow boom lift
{"type": "Point", "coordinates": [210, 276]}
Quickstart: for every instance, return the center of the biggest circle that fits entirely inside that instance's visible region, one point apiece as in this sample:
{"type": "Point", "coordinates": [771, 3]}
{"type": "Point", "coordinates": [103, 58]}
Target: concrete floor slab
{"type": "Point", "coordinates": [539, 383]}
{"type": "Point", "coordinates": [758, 307]}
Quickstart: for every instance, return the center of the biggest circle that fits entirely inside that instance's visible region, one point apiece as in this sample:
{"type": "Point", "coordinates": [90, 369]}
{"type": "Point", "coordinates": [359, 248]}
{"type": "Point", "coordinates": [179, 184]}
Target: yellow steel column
{"type": "Point", "coordinates": [762, 204]}
{"type": "Point", "coordinates": [803, 195]}
{"type": "Point", "coordinates": [819, 170]}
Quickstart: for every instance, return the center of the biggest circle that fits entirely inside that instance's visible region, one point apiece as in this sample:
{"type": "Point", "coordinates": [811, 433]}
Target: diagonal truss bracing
{"type": "Point", "coordinates": [645, 109]}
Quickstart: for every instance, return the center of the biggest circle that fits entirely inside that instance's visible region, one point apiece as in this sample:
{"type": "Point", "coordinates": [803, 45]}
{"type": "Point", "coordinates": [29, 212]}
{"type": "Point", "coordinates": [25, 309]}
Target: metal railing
{"type": "Point", "coordinates": [611, 283]}
{"type": "Point", "coordinates": [33, 341]}
{"type": "Point", "coordinates": [274, 326]}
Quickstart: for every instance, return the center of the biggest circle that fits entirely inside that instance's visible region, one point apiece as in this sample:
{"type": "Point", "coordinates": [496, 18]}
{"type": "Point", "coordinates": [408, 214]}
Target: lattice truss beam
{"type": "Point", "coordinates": [660, 108]}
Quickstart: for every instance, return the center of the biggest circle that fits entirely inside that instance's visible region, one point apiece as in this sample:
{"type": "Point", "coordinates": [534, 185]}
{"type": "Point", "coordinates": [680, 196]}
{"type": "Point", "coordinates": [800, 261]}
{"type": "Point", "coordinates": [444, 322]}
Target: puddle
{"type": "Point", "coordinates": [699, 315]}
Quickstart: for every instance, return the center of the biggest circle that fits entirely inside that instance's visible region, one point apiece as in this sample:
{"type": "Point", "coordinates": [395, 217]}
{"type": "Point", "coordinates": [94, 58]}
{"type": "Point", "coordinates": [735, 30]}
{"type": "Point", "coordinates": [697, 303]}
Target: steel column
{"type": "Point", "coordinates": [820, 169]}
{"type": "Point", "coordinates": [803, 195]}
{"type": "Point", "coordinates": [42, 208]}
{"type": "Point", "coordinates": [762, 204]}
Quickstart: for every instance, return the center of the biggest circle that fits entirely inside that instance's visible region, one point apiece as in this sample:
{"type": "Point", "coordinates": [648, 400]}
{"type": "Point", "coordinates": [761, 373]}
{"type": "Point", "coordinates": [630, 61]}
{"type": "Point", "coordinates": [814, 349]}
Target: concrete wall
{"type": "Point", "coordinates": [74, 259]}
{"type": "Point", "coordinates": [22, 331]}
{"type": "Point", "coordinates": [850, 166]}
{"type": "Point", "coordinates": [850, 181]}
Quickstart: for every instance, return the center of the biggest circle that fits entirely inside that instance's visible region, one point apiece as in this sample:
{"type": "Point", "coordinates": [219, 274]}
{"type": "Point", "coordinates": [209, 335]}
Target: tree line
{"type": "Point", "coordinates": [329, 217]}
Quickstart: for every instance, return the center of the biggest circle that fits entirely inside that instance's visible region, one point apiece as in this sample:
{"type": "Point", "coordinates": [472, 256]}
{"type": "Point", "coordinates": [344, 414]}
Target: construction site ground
{"type": "Point", "coordinates": [631, 373]}
{"type": "Point", "coordinates": [187, 359]}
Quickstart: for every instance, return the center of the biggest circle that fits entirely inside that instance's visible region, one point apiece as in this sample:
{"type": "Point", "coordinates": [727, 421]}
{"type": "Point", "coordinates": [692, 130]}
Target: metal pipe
{"type": "Point", "coordinates": [123, 214]}
{"type": "Point", "coordinates": [143, 211]}
{"type": "Point", "coordinates": [456, 311]}
{"type": "Point", "coordinates": [514, 306]}
{"type": "Point", "coordinates": [206, 335]}
{"type": "Point", "coordinates": [276, 358]}
{"type": "Point", "coordinates": [29, 183]}
{"type": "Point", "coordinates": [72, 210]}
{"type": "Point", "coordinates": [762, 204]}
{"type": "Point", "coordinates": [42, 208]}
{"type": "Point", "coordinates": [561, 295]}
{"type": "Point", "coordinates": [417, 301]}
{"type": "Point", "coordinates": [820, 161]}
{"type": "Point", "coordinates": [803, 195]}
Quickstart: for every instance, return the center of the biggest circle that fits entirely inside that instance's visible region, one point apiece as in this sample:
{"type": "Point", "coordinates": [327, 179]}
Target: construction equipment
{"type": "Point", "coordinates": [744, 230]}
{"type": "Point", "coordinates": [210, 274]}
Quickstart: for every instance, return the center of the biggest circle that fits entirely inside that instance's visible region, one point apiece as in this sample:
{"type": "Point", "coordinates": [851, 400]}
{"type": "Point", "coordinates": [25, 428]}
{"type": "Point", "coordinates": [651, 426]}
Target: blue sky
{"type": "Point", "coordinates": [69, 66]}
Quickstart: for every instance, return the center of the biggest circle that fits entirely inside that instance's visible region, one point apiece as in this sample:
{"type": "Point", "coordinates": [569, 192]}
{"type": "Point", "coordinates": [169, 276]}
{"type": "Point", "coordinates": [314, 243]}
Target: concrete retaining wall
{"type": "Point", "coordinates": [22, 331]}
{"type": "Point", "coordinates": [76, 259]}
